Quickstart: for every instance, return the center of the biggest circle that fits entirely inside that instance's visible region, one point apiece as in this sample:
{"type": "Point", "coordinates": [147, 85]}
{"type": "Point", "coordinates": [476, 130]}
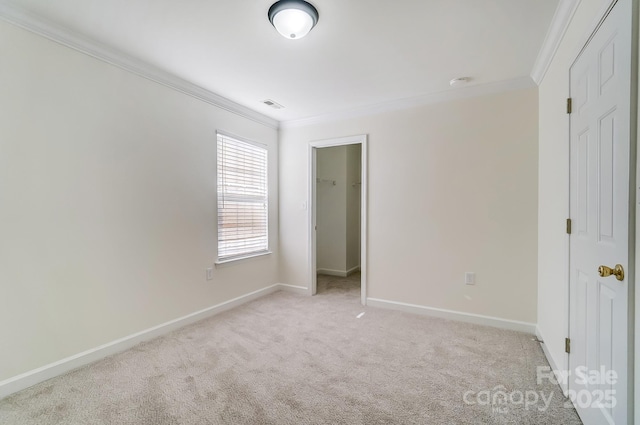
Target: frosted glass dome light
{"type": "Point", "coordinates": [293, 19]}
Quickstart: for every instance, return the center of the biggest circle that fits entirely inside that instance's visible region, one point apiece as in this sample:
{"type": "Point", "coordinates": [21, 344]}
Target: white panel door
{"type": "Point", "coordinates": [599, 191]}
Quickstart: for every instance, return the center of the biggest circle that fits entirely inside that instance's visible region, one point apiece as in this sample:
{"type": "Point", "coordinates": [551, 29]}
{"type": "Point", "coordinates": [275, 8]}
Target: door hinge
{"type": "Point", "coordinates": [568, 226]}
{"type": "Point", "coordinates": [567, 345]}
{"type": "Point", "coordinates": [569, 105]}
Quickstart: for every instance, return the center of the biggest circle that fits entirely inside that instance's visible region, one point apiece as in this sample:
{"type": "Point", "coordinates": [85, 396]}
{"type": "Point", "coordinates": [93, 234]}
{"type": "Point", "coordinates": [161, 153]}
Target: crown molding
{"type": "Point", "coordinates": [36, 24]}
{"type": "Point", "coordinates": [412, 102]}
{"type": "Point", "coordinates": [559, 24]}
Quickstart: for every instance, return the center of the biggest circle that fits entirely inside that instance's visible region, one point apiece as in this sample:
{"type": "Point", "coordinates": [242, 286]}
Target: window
{"type": "Point", "coordinates": [242, 199]}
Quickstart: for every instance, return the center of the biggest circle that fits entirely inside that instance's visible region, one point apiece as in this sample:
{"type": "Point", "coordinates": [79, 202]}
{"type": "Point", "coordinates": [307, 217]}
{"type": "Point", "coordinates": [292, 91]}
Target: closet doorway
{"type": "Point", "coordinates": [338, 189]}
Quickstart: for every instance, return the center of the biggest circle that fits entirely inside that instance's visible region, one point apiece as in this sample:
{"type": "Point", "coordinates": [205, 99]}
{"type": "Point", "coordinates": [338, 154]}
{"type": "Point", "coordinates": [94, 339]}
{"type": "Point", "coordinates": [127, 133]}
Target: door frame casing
{"type": "Point", "coordinates": [362, 140]}
{"type": "Point", "coordinates": [634, 212]}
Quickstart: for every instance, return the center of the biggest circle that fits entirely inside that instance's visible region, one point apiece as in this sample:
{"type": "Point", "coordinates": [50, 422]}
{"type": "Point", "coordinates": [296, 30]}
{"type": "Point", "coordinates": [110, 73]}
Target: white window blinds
{"type": "Point", "coordinates": [242, 198]}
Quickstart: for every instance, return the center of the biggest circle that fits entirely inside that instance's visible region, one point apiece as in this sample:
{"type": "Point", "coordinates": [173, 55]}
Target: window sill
{"type": "Point", "coordinates": [241, 258]}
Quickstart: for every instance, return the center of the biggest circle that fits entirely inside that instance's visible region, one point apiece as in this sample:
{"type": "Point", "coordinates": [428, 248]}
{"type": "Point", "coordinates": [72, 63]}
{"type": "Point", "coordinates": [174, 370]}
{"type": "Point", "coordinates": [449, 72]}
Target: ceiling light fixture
{"type": "Point", "coordinates": [293, 18]}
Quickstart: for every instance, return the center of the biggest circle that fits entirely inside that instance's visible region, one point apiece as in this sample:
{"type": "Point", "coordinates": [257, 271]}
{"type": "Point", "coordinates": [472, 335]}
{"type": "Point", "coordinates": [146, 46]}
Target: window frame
{"type": "Point", "coordinates": [246, 255]}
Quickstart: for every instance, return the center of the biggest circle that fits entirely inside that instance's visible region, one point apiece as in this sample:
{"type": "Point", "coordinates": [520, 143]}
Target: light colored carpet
{"type": "Point", "coordinates": [290, 359]}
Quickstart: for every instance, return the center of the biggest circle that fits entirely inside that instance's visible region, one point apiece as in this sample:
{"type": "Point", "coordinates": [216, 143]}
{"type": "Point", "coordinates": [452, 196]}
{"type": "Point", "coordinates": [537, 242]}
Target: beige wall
{"type": "Point", "coordinates": [107, 203]}
{"type": "Point", "coordinates": [553, 197]}
{"type": "Point", "coordinates": [354, 171]}
{"type": "Point", "coordinates": [338, 209]}
{"type": "Point", "coordinates": [637, 262]}
{"type": "Point", "coordinates": [452, 188]}
{"type": "Point", "coordinates": [331, 210]}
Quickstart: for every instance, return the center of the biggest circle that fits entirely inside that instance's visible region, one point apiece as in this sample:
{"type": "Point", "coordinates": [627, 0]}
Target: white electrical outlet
{"type": "Point", "coordinates": [210, 273]}
{"type": "Point", "coordinates": [469, 278]}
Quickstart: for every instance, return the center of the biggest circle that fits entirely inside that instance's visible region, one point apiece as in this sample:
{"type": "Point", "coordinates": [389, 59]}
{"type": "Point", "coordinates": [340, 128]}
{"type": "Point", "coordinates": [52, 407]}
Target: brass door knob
{"type": "Point", "coordinates": [617, 271]}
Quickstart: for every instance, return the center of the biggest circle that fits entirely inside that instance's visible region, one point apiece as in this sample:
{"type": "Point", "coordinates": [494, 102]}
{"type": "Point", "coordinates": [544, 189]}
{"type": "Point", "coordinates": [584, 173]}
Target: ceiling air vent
{"type": "Point", "coordinates": [271, 103]}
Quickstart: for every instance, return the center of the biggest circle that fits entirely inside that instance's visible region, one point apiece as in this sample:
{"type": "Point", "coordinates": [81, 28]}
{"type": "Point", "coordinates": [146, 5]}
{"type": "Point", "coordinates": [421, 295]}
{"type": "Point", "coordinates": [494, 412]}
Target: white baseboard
{"type": "Point", "coordinates": [552, 362]}
{"type": "Point", "coordinates": [28, 379]}
{"type": "Point", "coordinates": [353, 270]}
{"type": "Point", "coordinates": [302, 290]}
{"type": "Point", "coordinates": [340, 273]}
{"type": "Point", "coordinates": [331, 272]}
{"type": "Point", "coordinates": [477, 319]}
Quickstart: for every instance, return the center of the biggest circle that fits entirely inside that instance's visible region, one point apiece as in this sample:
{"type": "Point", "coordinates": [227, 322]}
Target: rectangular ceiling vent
{"type": "Point", "coordinates": [273, 104]}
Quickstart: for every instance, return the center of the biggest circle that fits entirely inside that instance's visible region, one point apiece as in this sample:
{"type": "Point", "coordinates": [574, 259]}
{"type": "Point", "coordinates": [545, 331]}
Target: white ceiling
{"type": "Point", "coordinates": [361, 53]}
